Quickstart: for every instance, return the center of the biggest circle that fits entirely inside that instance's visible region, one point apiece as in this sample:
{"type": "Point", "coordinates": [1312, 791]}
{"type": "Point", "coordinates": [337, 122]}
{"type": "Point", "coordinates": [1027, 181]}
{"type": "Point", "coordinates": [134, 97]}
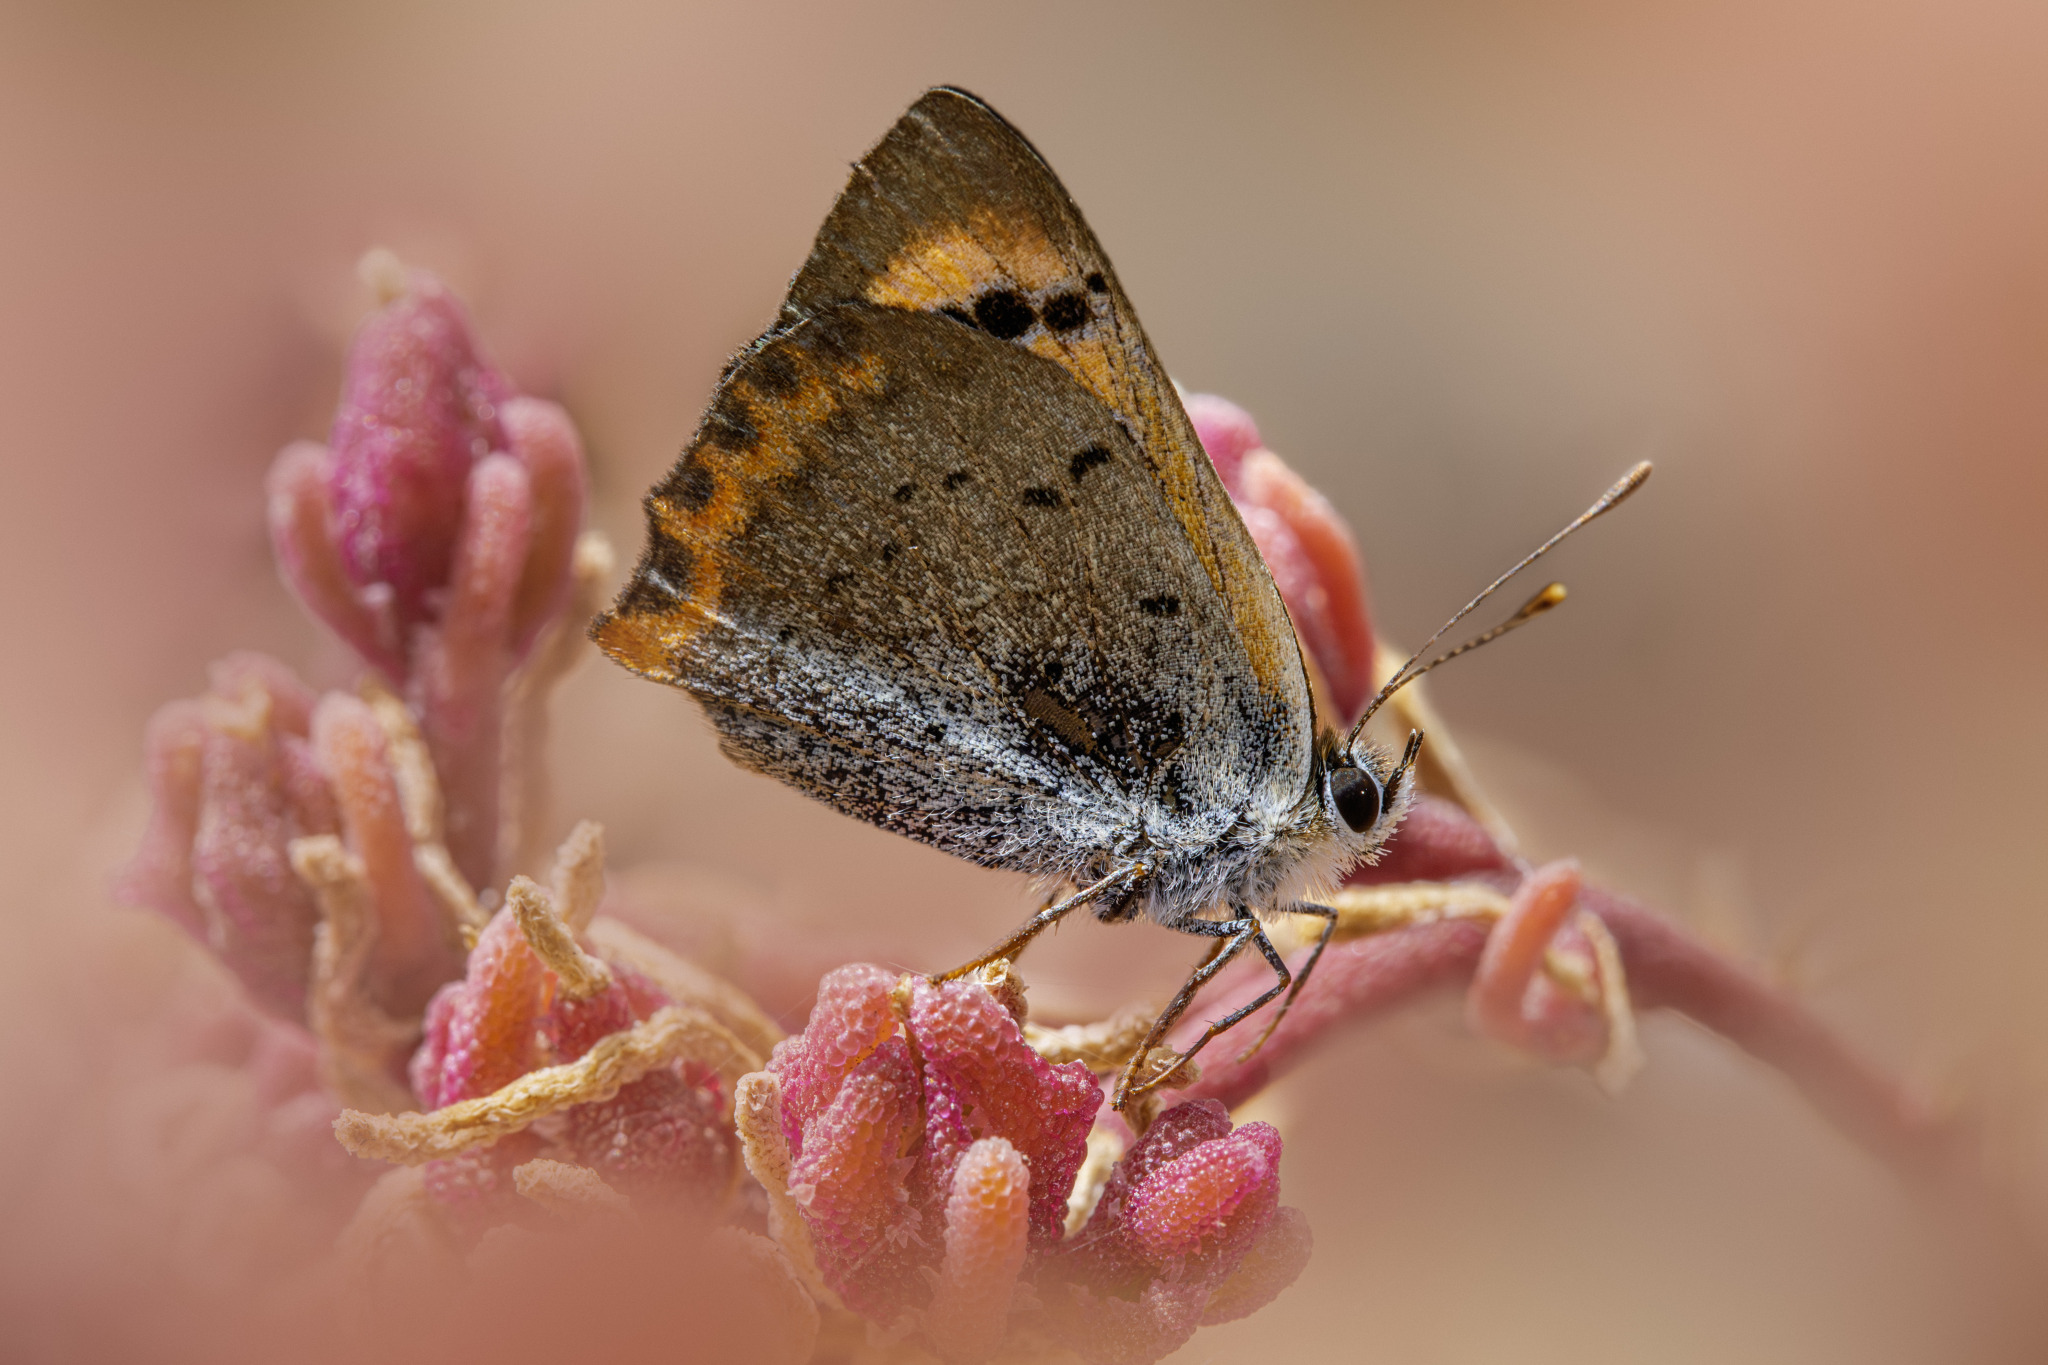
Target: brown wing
{"type": "Point", "coordinates": [954, 212]}
{"type": "Point", "coordinates": [926, 577]}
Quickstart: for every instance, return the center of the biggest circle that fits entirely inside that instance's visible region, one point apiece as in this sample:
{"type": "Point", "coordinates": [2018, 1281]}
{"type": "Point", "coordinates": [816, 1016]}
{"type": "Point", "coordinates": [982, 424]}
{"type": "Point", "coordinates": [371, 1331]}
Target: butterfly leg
{"type": "Point", "coordinates": [1329, 918]}
{"type": "Point", "coordinates": [1234, 936]}
{"type": "Point", "coordinates": [1124, 878]}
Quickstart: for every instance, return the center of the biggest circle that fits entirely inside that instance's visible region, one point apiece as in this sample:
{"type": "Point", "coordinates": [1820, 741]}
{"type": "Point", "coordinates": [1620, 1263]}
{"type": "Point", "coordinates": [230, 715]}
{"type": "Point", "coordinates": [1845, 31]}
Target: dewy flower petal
{"type": "Point", "coordinates": [852, 1016]}
{"type": "Point", "coordinates": [1227, 433]}
{"type": "Point", "coordinates": [1210, 1203]}
{"type": "Point", "coordinates": [545, 443]}
{"type": "Point", "coordinates": [983, 1080]}
{"type": "Point", "coordinates": [987, 1231]}
{"type": "Point", "coordinates": [159, 876]}
{"type": "Point", "coordinates": [302, 537]}
{"type": "Point", "coordinates": [481, 1030]}
{"type": "Point", "coordinates": [416, 951]}
{"type": "Point", "coordinates": [851, 1181]}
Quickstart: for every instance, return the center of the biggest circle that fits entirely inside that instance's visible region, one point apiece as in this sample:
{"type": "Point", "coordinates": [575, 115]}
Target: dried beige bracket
{"type": "Point", "coordinates": [674, 1033]}
{"type": "Point", "coordinates": [361, 1047]}
{"type": "Point", "coordinates": [757, 1115]}
{"type": "Point", "coordinates": [524, 795]}
{"type": "Point", "coordinates": [1366, 910]}
{"type": "Point", "coordinates": [419, 798]}
{"type": "Point", "coordinates": [566, 1189]}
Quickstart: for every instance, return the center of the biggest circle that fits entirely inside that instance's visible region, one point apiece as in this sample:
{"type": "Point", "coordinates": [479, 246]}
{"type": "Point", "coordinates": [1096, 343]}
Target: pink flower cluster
{"type": "Point", "coordinates": [661, 1138]}
{"type": "Point", "coordinates": [435, 533]}
{"type": "Point", "coordinates": [924, 1168]}
{"type": "Point", "coordinates": [435, 536]}
{"type": "Point", "coordinates": [932, 1155]}
{"type": "Point", "coordinates": [1189, 1232]}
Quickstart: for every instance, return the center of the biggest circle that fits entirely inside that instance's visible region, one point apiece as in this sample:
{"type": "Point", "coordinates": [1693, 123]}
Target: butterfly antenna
{"type": "Point", "coordinates": [1529, 611]}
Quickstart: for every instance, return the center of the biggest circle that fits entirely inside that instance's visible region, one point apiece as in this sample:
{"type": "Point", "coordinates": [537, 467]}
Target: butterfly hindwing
{"type": "Point", "coordinates": [926, 576]}
{"type": "Point", "coordinates": [954, 212]}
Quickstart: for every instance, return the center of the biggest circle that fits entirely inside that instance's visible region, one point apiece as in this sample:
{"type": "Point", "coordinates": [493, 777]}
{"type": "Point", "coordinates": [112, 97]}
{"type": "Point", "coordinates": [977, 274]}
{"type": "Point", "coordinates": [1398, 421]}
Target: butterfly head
{"type": "Point", "coordinates": [1361, 795]}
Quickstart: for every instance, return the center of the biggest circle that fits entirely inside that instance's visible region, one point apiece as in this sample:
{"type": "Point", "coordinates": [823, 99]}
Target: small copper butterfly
{"type": "Point", "coordinates": [946, 554]}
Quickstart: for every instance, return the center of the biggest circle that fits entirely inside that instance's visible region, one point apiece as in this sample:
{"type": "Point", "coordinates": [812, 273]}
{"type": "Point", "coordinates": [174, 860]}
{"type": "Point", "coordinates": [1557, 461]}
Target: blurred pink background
{"type": "Point", "coordinates": [1464, 261]}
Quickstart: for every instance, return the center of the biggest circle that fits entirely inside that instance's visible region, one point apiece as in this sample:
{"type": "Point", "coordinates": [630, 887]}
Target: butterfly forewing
{"type": "Point", "coordinates": [945, 552]}
{"type": "Point", "coordinates": [893, 591]}
{"type": "Point", "coordinates": [954, 212]}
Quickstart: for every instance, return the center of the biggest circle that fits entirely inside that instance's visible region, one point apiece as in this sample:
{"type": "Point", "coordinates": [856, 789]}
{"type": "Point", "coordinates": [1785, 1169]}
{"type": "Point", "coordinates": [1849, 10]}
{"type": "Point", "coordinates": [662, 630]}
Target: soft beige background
{"type": "Point", "coordinates": [1464, 261]}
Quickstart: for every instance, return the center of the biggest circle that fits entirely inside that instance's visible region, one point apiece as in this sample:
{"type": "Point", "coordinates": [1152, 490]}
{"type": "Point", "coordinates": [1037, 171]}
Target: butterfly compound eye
{"type": "Point", "coordinates": [1357, 797]}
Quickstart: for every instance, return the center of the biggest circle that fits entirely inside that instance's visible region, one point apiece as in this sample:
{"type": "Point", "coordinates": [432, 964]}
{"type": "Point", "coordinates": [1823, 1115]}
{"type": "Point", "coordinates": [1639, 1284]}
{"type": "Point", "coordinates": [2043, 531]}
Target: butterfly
{"type": "Point", "coordinates": [946, 554]}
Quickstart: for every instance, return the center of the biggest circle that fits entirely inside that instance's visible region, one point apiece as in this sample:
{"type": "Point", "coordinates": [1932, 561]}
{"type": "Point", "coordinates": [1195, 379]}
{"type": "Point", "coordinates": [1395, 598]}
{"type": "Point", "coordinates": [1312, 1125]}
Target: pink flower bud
{"type": "Point", "coordinates": [436, 535]}
{"type": "Point", "coordinates": [481, 1031]}
{"type": "Point", "coordinates": [235, 781]}
{"type": "Point", "coordinates": [1184, 1233]}
{"type": "Point", "coordinates": [983, 1080]}
{"type": "Point", "coordinates": [382, 532]}
{"type": "Point", "coordinates": [932, 1153]}
{"type": "Point", "coordinates": [419, 406]}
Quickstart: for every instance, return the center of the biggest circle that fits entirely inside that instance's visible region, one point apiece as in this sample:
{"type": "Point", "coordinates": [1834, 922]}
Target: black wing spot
{"type": "Point", "coordinates": [890, 551]}
{"type": "Point", "coordinates": [1166, 604]}
{"type": "Point", "coordinates": [958, 477]}
{"type": "Point", "coordinates": [691, 484]}
{"type": "Point", "coordinates": [774, 374]}
{"type": "Point", "coordinates": [1096, 283]}
{"type": "Point", "coordinates": [1054, 670]}
{"type": "Point", "coordinates": [1065, 312]}
{"type": "Point", "coordinates": [729, 425]}
{"type": "Point", "coordinates": [835, 581]}
{"type": "Point", "coordinates": [958, 314]}
{"type": "Point", "coordinates": [904, 492]}
{"type": "Point", "coordinates": [1004, 314]}
{"type": "Point", "coordinates": [935, 732]}
{"type": "Point", "coordinates": [1086, 460]}
{"type": "Point", "coordinates": [1041, 497]}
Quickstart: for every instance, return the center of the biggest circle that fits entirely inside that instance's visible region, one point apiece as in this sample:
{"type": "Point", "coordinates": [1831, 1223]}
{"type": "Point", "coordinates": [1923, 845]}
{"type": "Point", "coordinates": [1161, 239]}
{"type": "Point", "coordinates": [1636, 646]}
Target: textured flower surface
{"type": "Point", "coordinates": [437, 468]}
{"type": "Point", "coordinates": [931, 1157]}
{"type": "Point", "coordinates": [663, 1134]}
{"type": "Point", "coordinates": [235, 780]}
{"type": "Point", "coordinates": [567, 1103]}
{"type": "Point", "coordinates": [436, 533]}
